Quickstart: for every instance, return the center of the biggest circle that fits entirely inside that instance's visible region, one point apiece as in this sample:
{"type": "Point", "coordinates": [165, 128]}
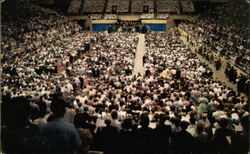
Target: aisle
{"type": "Point", "coordinates": [140, 51]}
{"type": "Point", "coordinates": [217, 74]}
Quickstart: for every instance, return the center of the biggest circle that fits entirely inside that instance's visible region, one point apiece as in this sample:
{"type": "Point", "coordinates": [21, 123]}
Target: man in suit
{"type": "Point", "coordinates": [162, 135]}
{"type": "Point", "coordinates": [108, 137]}
{"type": "Point", "coordinates": [183, 140]}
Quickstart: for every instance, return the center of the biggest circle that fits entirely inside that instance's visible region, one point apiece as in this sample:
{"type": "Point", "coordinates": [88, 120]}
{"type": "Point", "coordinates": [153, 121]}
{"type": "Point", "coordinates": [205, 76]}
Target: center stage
{"type": "Point", "coordinates": [153, 25]}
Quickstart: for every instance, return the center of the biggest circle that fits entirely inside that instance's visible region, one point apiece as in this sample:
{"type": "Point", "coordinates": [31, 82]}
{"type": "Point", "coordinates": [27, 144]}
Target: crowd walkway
{"type": "Point", "coordinates": [138, 65]}
{"type": "Point", "coordinates": [217, 74]}
{"type": "Point", "coordinates": [139, 68]}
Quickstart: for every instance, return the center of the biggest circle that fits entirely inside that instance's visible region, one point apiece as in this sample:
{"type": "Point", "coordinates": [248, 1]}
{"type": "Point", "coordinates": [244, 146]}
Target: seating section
{"type": "Point", "coordinates": [167, 6]}
{"type": "Point", "coordinates": [76, 91]}
{"type": "Point", "coordinates": [187, 6]}
{"type": "Point", "coordinates": [224, 31]}
{"type": "Point", "coordinates": [31, 27]}
{"type": "Point", "coordinates": [93, 6]}
{"type": "Point", "coordinates": [74, 6]}
{"type": "Point", "coordinates": [122, 5]}
{"type": "Point", "coordinates": [137, 5]}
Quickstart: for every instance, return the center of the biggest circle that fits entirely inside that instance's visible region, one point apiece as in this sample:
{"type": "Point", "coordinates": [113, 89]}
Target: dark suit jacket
{"type": "Point", "coordinates": [162, 135]}
{"type": "Point", "coordinates": [182, 142]}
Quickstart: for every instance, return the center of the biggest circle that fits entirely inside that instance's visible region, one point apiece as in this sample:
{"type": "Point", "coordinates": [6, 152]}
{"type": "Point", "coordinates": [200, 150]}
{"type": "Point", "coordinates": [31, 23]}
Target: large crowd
{"type": "Point", "coordinates": [223, 30]}
{"type": "Point", "coordinates": [167, 6]}
{"type": "Point", "coordinates": [137, 5]}
{"type": "Point", "coordinates": [93, 6]}
{"type": "Point", "coordinates": [187, 6]}
{"type": "Point", "coordinates": [75, 6]}
{"type": "Point", "coordinates": [32, 26]}
{"type": "Point", "coordinates": [122, 6]}
{"type": "Point", "coordinates": [76, 93]}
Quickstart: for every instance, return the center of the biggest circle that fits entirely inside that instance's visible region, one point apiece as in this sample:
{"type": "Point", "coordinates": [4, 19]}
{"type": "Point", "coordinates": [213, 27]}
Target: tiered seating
{"type": "Point", "coordinates": [225, 31]}
{"type": "Point", "coordinates": [83, 83]}
{"type": "Point", "coordinates": [137, 5]}
{"type": "Point", "coordinates": [74, 6]}
{"type": "Point", "coordinates": [122, 5]}
{"type": "Point", "coordinates": [167, 6]}
{"type": "Point", "coordinates": [187, 6]}
{"type": "Point", "coordinates": [31, 27]}
{"type": "Point", "coordinates": [93, 6]}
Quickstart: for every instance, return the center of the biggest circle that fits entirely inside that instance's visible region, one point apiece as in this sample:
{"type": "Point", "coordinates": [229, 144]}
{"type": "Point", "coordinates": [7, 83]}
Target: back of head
{"type": "Point", "coordinates": [223, 123]}
{"type": "Point", "coordinates": [107, 122]}
{"type": "Point", "coordinates": [144, 121]}
{"type": "Point", "coordinates": [162, 118]}
{"type": "Point", "coordinates": [114, 114]}
{"type": "Point", "coordinates": [17, 113]}
{"type": "Point", "coordinates": [175, 121]}
{"type": "Point", "coordinates": [57, 106]}
{"type": "Point", "coordinates": [127, 123]}
{"type": "Point", "coordinates": [245, 122]}
{"type": "Point", "coordinates": [184, 125]}
{"type": "Point", "coordinates": [200, 127]}
{"type": "Point", "coordinates": [211, 119]}
{"type": "Point", "coordinates": [43, 108]}
{"type": "Point", "coordinates": [6, 98]}
{"type": "Point", "coordinates": [192, 120]}
{"type": "Point", "coordinates": [79, 120]}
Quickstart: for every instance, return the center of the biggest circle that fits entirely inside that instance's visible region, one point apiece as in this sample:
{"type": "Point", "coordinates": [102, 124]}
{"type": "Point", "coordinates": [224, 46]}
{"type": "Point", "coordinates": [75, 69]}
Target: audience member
{"type": "Point", "coordinates": [62, 136]}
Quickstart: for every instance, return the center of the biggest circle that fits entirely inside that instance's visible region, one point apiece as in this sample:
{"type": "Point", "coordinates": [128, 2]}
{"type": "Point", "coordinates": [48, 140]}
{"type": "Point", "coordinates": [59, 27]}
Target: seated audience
{"type": "Point", "coordinates": [112, 109]}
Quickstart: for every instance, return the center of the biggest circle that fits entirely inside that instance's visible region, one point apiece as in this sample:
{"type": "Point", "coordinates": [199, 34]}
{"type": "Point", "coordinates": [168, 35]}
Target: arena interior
{"type": "Point", "coordinates": [125, 76]}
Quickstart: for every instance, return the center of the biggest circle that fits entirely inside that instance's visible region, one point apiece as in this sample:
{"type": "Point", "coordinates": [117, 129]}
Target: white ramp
{"type": "Point", "coordinates": [138, 67]}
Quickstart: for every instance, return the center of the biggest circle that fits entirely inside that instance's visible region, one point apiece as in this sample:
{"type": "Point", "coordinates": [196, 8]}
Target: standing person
{"type": "Point", "coordinates": [81, 125]}
{"type": "Point", "coordinates": [144, 136]}
{"type": "Point", "coordinates": [221, 142]}
{"type": "Point", "coordinates": [240, 141]}
{"type": "Point", "coordinates": [201, 140]}
{"type": "Point", "coordinates": [182, 141]}
{"type": "Point", "coordinates": [58, 66]}
{"type": "Point", "coordinates": [211, 58]}
{"type": "Point", "coordinates": [109, 136]}
{"type": "Point", "coordinates": [217, 64]}
{"type": "Point", "coordinates": [62, 136]}
{"type": "Point", "coordinates": [241, 83]}
{"type": "Point", "coordinates": [18, 134]}
{"type": "Point", "coordinates": [202, 106]}
{"type": "Point", "coordinates": [144, 58]}
{"type": "Point", "coordinates": [162, 135]}
{"type": "Point", "coordinates": [178, 74]}
{"type": "Point", "coordinates": [81, 82]}
{"type": "Point", "coordinates": [127, 137]}
{"type": "Point", "coordinates": [42, 120]}
{"type": "Point", "coordinates": [114, 120]}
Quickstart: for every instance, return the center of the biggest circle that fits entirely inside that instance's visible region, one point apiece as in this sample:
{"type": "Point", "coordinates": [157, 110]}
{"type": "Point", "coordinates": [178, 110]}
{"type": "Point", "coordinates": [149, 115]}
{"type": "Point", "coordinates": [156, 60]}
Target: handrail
{"type": "Point", "coordinates": [215, 54]}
